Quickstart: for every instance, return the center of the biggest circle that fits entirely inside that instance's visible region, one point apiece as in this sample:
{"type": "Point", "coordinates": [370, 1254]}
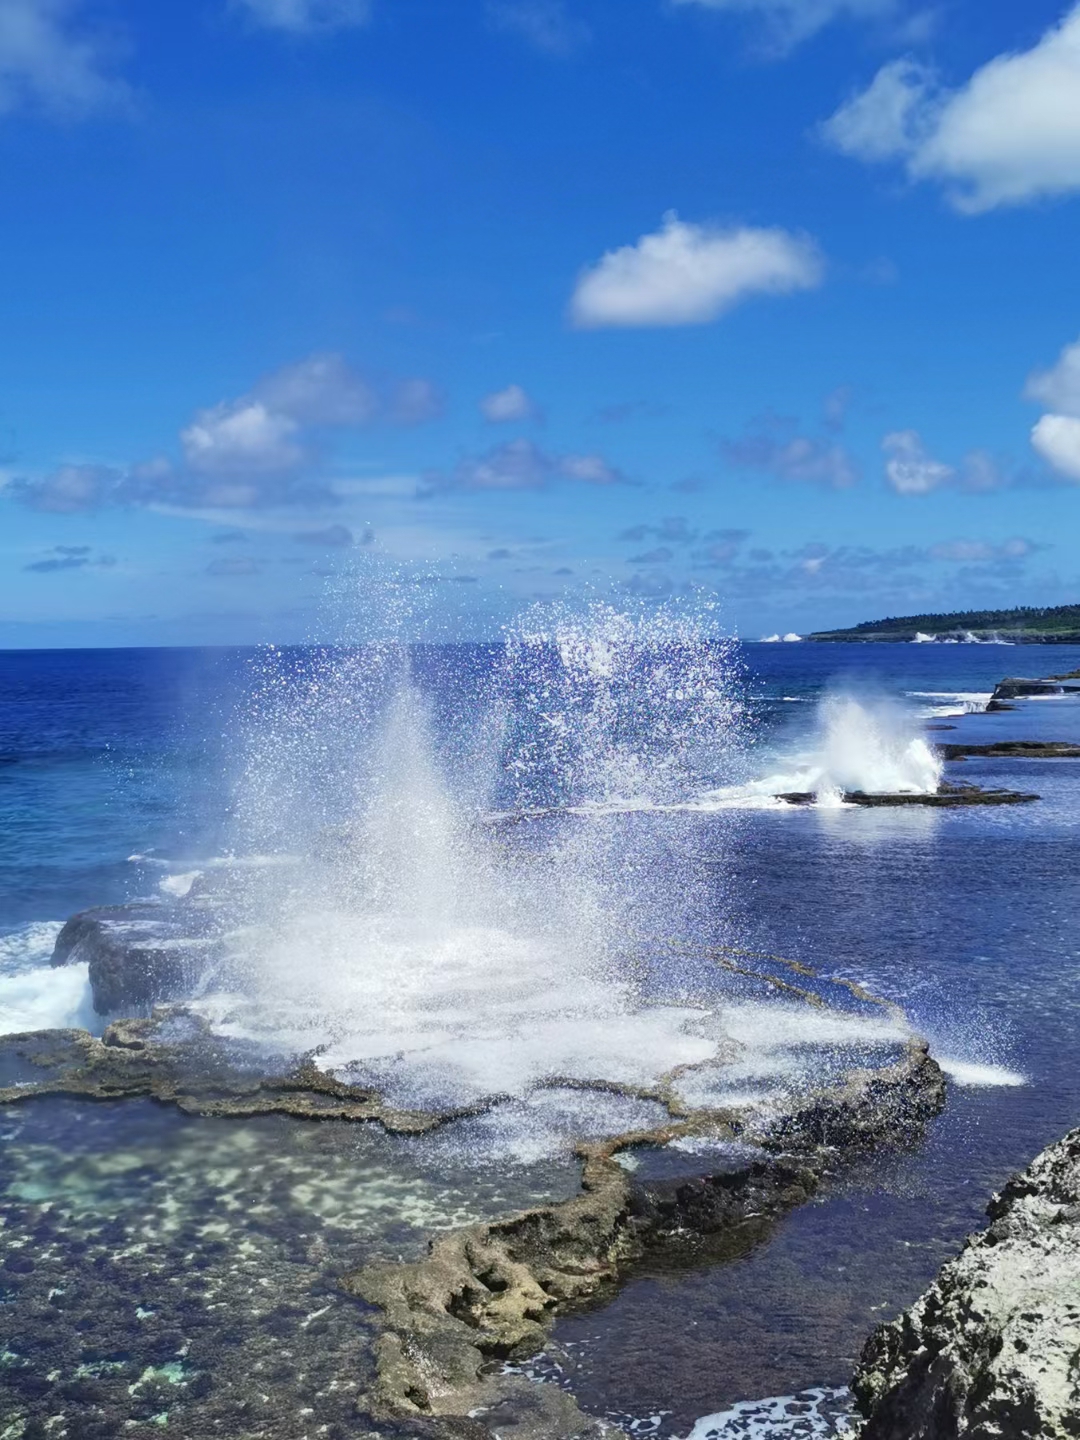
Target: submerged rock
{"type": "Point", "coordinates": [991, 1349]}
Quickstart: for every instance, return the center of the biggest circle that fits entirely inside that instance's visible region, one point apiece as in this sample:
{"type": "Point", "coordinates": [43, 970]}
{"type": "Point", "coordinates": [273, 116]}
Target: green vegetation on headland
{"type": "Point", "coordinates": [1024, 625]}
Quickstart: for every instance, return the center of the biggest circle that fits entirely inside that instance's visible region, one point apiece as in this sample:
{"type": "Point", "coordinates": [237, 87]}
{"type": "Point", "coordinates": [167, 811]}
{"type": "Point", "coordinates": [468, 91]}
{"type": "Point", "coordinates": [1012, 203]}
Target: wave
{"type": "Point", "coordinates": [33, 995]}
{"type": "Point", "coordinates": [950, 703]}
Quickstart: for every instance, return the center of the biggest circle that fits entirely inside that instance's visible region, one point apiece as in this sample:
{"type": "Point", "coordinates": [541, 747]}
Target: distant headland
{"type": "Point", "coordinates": [1024, 625]}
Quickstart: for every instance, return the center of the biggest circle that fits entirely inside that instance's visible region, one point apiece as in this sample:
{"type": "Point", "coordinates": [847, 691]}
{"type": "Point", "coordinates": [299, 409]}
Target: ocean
{"type": "Point", "coordinates": [131, 775]}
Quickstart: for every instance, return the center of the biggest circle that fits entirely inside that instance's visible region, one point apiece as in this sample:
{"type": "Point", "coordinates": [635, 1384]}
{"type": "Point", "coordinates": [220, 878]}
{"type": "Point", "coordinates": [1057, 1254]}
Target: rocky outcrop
{"type": "Point", "coordinates": [141, 955]}
{"type": "Point", "coordinates": [1012, 750]}
{"type": "Point", "coordinates": [490, 1291]}
{"type": "Point", "coordinates": [946, 797]}
{"type": "Point", "coordinates": [992, 1349]}
{"type": "Point", "coordinates": [1015, 688]}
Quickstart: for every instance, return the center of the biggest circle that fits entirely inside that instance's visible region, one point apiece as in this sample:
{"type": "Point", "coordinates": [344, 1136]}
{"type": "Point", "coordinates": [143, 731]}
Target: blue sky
{"type": "Point", "coordinates": [522, 299]}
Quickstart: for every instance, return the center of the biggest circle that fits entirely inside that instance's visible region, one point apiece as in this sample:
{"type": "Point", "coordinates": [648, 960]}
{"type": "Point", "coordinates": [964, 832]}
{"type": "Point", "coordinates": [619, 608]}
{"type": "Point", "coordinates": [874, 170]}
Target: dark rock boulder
{"type": "Point", "coordinates": [992, 1349]}
{"type": "Point", "coordinates": [1014, 688]}
{"type": "Point", "coordinates": [140, 955]}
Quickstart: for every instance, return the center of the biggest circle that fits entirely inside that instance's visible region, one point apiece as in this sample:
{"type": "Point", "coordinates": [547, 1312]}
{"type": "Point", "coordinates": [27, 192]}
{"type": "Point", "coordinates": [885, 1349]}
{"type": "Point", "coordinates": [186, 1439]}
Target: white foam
{"type": "Point", "coordinates": [179, 885]}
{"type": "Point", "coordinates": [950, 703]}
{"type": "Point", "coordinates": [46, 999]}
{"type": "Point", "coordinates": [820, 1412]}
{"type": "Point", "coordinates": [973, 1074]}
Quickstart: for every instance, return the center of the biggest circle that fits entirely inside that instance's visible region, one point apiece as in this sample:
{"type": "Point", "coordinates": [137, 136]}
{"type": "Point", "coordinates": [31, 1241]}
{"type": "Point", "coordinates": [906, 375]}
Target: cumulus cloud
{"type": "Point", "coordinates": [522, 465]}
{"type": "Point", "coordinates": [788, 22]}
{"type": "Point", "coordinates": [47, 60]}
{"type": "Point", "coordinates": [909, 468]}
{"type": "Point", "coordinates": [322, 389]}
{"type": "Point", "coordinates": [264, 448]}
{"type": "Point", "coordinates": [543, 24]}
{"type": "Point", "coordinates": [1057, 439]}
{"type": "Point", "coordinates": [508, 404]}
{"type": "Point", "coordinates": [1056, 436]}
{"type": "Point", "coordinates": [242, 437]}
{"type": "Point", "coordinates": [69, 489]}
{"type": "Point", "coordinates": [774, 447]}
{"type": "Point", "coordinates": [1009, 136]}
{"type": "Point", "coordinates": [306, 17]}
{"type": "Point", "coordinates": [659, 556]}
{"type": "Point", "coordinates": [687, 274]}
{"type": "Point", "coordinates": [1059, 387]}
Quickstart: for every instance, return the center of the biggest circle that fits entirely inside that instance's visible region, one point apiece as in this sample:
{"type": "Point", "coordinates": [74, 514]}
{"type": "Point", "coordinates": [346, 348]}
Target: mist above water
{"type": "Point", "coordinates": [458, 908]}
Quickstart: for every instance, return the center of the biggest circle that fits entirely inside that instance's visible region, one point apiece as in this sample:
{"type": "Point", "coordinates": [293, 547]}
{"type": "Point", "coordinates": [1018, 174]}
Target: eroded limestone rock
{"type": "Point", "coordinates": [992, 1350]}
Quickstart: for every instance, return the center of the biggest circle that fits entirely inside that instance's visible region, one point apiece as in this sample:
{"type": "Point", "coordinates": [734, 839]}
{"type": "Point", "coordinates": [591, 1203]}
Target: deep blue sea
{"type": "Point", "coordinates": [119, 767]}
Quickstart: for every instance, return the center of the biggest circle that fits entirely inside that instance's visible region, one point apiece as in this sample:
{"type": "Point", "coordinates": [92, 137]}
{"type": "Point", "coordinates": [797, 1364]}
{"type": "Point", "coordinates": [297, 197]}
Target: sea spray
{"type": "Point", "coordinates": [858, 743]}
{"type": "Point", "coordinates": [467, 877]}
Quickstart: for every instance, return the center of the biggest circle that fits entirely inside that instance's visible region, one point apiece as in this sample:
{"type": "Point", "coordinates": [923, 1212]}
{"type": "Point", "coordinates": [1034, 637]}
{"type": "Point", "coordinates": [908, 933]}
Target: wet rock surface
{"type": "Point", "coordinates": [173, 1057]}
{"type": "Point", "coordinates": [1016, 688]}
{"type": "Point", "coordinates": [1013, 750]}
{"type": "Point", "coordinates": [143, 953]}
{"type": "Point", "coordinates": [491, 1291]}
{"type": "Point", "coordinates": [946, 797]}
{"type": "Point", "coordinates": [992, 1349]}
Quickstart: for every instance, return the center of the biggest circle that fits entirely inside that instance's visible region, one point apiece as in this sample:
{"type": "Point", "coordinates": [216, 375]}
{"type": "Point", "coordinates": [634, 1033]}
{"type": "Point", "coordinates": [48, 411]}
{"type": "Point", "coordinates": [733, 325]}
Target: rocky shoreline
{"type": "Point", "coordinates": [992, 1349]}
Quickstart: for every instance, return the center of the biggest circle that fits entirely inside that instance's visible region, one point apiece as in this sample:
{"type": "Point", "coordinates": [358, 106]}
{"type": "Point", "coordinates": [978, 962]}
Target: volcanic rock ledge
{"type": "Point", "coordinates": [992, 1349]}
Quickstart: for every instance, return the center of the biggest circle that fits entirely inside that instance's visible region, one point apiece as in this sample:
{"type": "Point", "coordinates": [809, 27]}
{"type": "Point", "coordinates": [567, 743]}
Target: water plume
{"type": "Point", "coordinates": [458, 900]}
{"type": "Point", "coordinates": [863, 744]}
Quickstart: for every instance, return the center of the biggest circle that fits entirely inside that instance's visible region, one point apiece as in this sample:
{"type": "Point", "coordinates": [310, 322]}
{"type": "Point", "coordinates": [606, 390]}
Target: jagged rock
{"type": "Point", "coordinates": [140, 955]}
{"type": "Point", "coordinates": [992, 1350]}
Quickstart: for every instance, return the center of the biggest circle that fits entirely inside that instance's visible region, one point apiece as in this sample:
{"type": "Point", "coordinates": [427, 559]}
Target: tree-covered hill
{"type": "Point", "coordinates": [1025, 624]}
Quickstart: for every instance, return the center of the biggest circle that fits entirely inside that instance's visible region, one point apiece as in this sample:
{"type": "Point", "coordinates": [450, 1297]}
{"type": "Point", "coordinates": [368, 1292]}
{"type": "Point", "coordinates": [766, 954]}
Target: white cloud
{"type": "Point", "coordinates": [45, 61]}
{"type": "Point", "coordinates": [301, 17]}
{"type": "Point", "coordinates": [688, 274]}
{"type": "Point", "coordinates": [512, 403]}
{"type": "Point", "coordinates": [909, 469]}
{"type": "Point", "coordinates": [522, 465]}
{"type": "Point", "coordinates": [242, 437]}
{"type": "Point", "coordinates": [1059, 387]}
{"type": "Point", "coordinates": [1057, 439]}
{"type": "Point", "coordinates": [790, 21]}
{"type": "Point", "coordinates": [543, 24]}
{"type": "Point", "coordinates": [889, 118]}
{"type": "Point", "coordinates": [321, 390]}
{"type": "Point", "coordinates": [1010, 135]}
{"type": "Point", "coordinates": [787, 456]}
